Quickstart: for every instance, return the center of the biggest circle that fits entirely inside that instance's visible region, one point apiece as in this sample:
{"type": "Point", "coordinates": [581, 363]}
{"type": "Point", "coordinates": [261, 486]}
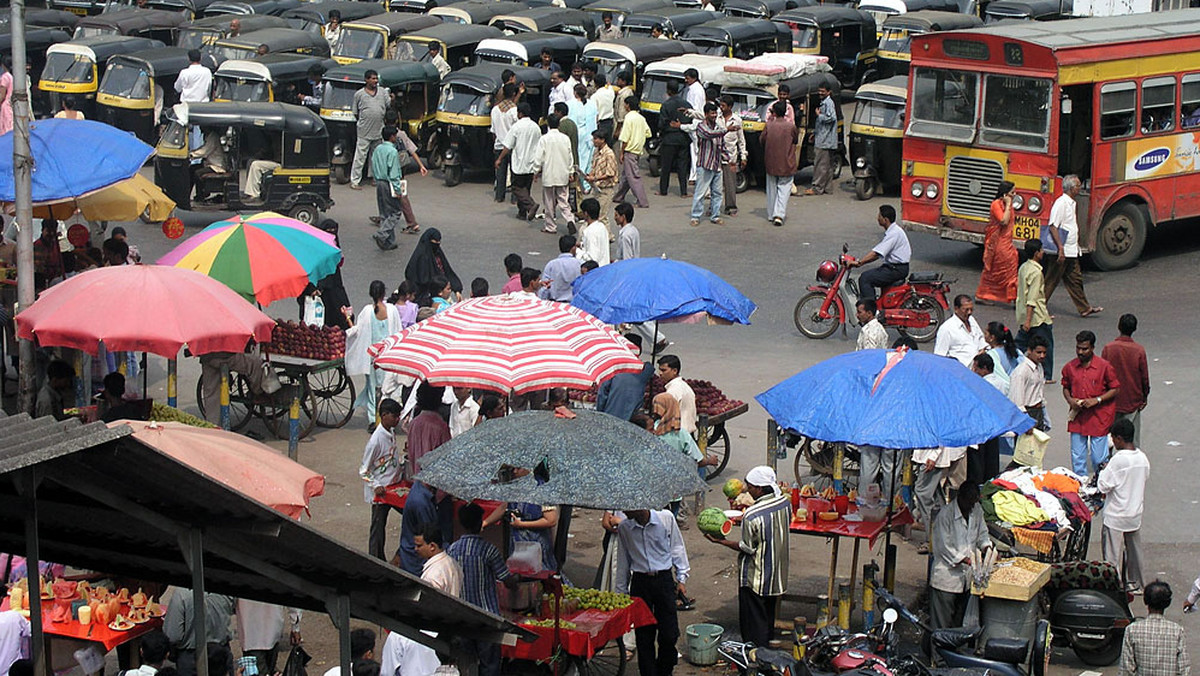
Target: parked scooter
{"type": "Point", "coordinates": [1091, 620]}
{"type": "Point", "coordinates": [915, 306]}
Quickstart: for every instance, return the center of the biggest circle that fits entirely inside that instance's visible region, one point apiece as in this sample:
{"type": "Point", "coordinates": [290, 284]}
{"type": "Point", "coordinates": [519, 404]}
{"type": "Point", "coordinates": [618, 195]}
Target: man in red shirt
{"type": "Point", "coordinates": [1129, 360]}
{"type": "Point", "coordinates": [1090, 387]}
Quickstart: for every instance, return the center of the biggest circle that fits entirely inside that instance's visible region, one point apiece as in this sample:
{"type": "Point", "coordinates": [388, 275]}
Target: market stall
{"type": "Point", "coordinates": [1046, 514]}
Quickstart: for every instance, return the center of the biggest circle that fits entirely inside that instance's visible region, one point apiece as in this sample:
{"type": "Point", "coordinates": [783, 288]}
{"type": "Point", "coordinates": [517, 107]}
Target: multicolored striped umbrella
{"type": "Point", "coordinates": [263, 257]}
{"type": "Point", "coordinates": [505, 343]}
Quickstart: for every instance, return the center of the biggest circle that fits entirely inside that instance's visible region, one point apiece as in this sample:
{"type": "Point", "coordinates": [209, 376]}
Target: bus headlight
{"type": "Point", "coordinates": [931, 191]}
{"type": "Point", "coordinates": [917, 189]}
{"type": "Point", "coordinates": [1035, 204]}
{"type": "Point", "coordinates": [1018, 202]}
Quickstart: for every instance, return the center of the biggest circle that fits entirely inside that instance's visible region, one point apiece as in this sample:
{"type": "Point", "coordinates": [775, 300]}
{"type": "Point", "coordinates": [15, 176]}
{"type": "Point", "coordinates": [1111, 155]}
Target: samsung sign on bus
{"type": "Point", "coordinates": [1152, 159]}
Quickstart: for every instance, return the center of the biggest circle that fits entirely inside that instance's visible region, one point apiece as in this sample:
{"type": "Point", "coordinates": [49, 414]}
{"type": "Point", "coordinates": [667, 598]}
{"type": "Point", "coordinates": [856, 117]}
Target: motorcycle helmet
{"type": "Point", "coordinates": [826, 272]}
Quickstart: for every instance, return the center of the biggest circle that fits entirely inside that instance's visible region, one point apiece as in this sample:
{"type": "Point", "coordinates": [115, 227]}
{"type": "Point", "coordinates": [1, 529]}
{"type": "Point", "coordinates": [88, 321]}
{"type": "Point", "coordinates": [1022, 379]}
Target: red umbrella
{"type": "Point", "coordinates": [247, 466]}
{"type": "Point", "coordinates": [507, 343]}
{"type": "Point", "coordinates": [144, 308]}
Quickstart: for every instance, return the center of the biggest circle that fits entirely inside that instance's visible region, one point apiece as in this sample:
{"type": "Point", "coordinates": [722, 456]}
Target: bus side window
{"type": "Point", "coordinates": [1190, 101]}
{"type": "Point", "coordinates": [1118, 105]}
{"type": "Point", "coordinates": [1158, 104]}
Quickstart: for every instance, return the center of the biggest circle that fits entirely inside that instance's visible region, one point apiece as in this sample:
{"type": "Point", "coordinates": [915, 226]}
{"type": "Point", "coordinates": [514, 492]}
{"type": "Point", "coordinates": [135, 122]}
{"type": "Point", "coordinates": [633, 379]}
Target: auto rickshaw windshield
{"type": "Point", "coordinates": [238, 89]}
{"type": "Point", "coordinates": [879, 114]}
{"type": "Point", "coordinates": [340, 95]}
{"type": "Point", "coordinates": [610, 67]}
{"type": "Point", "coordinates": [229, 53]}
{"type": "Point", "coordinates": [655, 89]}
{"type": "Point", "coordinates": [191, 38]}
{"type": "Point", "coordinates": [803, 35]}
{"type": "Point", "coordinates": [711, 47]}
{"type": "Point", "coordinates": [93, 31]}
{"type": "Point", "coordinates": [464, 100]}
{"type": "Point", "coordinates": [751, 108]}
{"type": "Point", "coordinates": [898, 40]}
{"type": "Point", "coordinates": [360, 43]}
{"type": "Point", "coordinates": [63, 67]}
{"type": "Point", "coordinates": [127, 80]}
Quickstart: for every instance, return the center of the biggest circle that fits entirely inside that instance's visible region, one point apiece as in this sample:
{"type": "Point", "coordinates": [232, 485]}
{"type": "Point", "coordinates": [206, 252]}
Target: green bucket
{"type": "Point", "coordinates": [702, 641]}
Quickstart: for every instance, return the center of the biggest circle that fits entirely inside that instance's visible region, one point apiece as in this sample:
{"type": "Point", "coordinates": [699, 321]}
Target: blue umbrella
{"type": "Point", "coordinates": [649, 289]}
{"type": "Point", "coordinates": [893, 399]}
{"type": "Point", "coordinates": [72, 158]}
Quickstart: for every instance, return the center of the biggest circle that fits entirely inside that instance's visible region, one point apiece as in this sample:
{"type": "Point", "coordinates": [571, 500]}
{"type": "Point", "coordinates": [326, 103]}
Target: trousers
{"type": "Point", "coordinates": [390, 209]}
{"type": "Point", "coordinates": [823, 171]}
{"type": "Point", "coordinates": [249, 366]}
{"type": "Point", "coordinates": [554, 202]}
{"type": "Point", "coordinates": [1123, 550]}
{"type": "Point", "coordinates": [377, 539]}
{"type": "Point", "coordinates": [1084, 447]}
{"type": "Point", "coordinates": [1069, 273]}
{"type": "Point", "coordinates": [656, 652]}
{"type": "Point", "coordinates": [631, 180]}
{"type": "Point", "coordinates": [946, 609]}
{"type": "Point", "coordinates": [605, 197]}
{"type": "Point", "coordinates": [362, 148]}
{"type": "Point", "coordinates": [1045, 331]}
{"type": "Point", "coordinates": [880, 276]}
{"type": "Point", "coordinates": [708, 184]}
{"type": "Point", "coordinates": [873, 461]}
{"type": "Point", "coordinates": [521, 184]}
{"type": "Point", "coordinates": [678, 159]}
{"type": "Point", "coordinates": [756, 616]}
{"type": "Point", "coordinates": [254, 177]}
{"type": "Point", "coordinates": [779, 188]}
{"type": "Point", "coordinates": [729, 174]}
{"type": "Point", "coordinates": [501, 174]}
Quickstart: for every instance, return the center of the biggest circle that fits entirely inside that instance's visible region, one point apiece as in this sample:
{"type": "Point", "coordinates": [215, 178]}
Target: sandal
{"type": "Point", "coordinates": [549, 230]}
{"type": "Point", "coordinates": [411, 229]}
{"type": "Point", "coordinates": [1091, 311]}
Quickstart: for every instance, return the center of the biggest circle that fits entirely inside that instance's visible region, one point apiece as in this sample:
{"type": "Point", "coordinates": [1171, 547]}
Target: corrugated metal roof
{"type": "Point", "coordinates": [1084, 32]}
{"type": "Point", "coordinates": [26, 441]}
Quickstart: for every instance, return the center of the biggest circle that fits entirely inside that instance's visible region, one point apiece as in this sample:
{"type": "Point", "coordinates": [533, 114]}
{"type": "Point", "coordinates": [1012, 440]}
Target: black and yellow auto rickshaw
{"type": "Point", "coordinates": [464, 139]}
{"type": "Point", "coordinates": [763, 9]}
{"type": "Point", "coordinates": [899, 30]}
{"type": "Point", "coordinates": [250, 7]}
{"type": "Point", "coordinates": [156, 24]}
{"type": "Point", "coordinates": [632, 55]}
{"type": "Point", "coordinates": [274, 77]}
{"type": "Point", "coordinates": [846, 36]}
{"type": "Point", "coordinates": [457, 41]}
{"type": "Point", "coordinates": [40, 17]}
{"type": "Point", "coordinates": [312, 16]}
{"type": "Point", "coordinates": [673, 20]}
{"type": "Point", "coordinates": [525, 49]}
{"type": "Point", "coordinates": [137, 87]}
{"type": "Point", "coordinates": [289, 40]}
{"type": "Point", "coordinates": [37, 41]}
{"type": "Point", "coordinates": [1027, 10]}
{"type": "Point", "coordinates": [738, 38]}
{"type": "Point", "coordinates": [475, 11]}
{"type": "Point", "coordinates": [880, 10]}
{"type": "Point", "coordinates": [877, 135]}
{"type": "Point", "coordinates": [75, 68]}
{"type": "Point", "coordinates": [411, 6]}
{"type": "Point", "coordinates": [622, 8]}
{"type": "Point", "coordinates": [414, 86]}
{"type": "Point", "coordinates": [204, 33]}
{"type": "Point", "coordinates": [232, 136]}
{"type": "Point", "coordinates": [375, 36]}
{"type": "Point", "coordinates": [569, 4]}
{"type": "Point", "coordinates": [547, 20]}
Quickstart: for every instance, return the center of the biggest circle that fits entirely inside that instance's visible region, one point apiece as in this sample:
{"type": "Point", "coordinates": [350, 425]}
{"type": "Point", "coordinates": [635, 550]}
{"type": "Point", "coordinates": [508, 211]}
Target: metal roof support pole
{"type": "Point", "coordinates": [339, 612]}
{"type": "Point", "coordinates": [27, 484]}
{"type": "Point", "coordinates": [192, 544]}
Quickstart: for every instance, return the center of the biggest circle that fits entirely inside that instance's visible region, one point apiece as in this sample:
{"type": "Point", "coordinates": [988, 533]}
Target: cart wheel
{"type": "Point", "coordinates": [819, 456]}
{"type": "Point", "coordinates": [718, 445]}
{"type": "Point", "coordinates": [240, 408]}
{"type": "Point", "coordinates": [608, 661]}
{"type": "Point", "coordinates": [334, 392]}
{"type": "Point", "coordinates": [276, 414]}
{"type": "Point", "coordinates": [341, 174]}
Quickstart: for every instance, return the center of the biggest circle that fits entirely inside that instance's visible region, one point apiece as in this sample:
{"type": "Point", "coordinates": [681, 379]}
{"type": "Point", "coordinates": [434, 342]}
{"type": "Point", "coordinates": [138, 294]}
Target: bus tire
{"type": "Point", "coordinates": [1121, 237]}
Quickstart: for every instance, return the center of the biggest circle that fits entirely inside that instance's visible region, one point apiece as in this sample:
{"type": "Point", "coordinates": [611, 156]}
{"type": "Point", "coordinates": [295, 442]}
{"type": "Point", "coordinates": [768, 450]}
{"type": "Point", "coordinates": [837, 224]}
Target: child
{"type": "Point", "coordinates": [479, 287]}
{"type": "Point", "coordinates": [405, 301]}
{"type": "Point", "coordinates": [381, 467]}
{"type": "Point", "coordinates": [629, 244]}
{"type": "Point", "coordinates": [442, 302]}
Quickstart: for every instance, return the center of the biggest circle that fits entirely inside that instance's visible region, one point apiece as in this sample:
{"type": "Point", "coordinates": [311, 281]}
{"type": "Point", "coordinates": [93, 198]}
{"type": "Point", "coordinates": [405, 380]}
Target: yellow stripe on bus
{"type": "Point", "coordinates": [1140, 66]}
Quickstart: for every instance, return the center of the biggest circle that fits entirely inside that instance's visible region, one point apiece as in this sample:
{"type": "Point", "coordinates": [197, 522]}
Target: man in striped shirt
{"type": "Point", "coordinates": [710, 149]}
{"type": "Point", "coordinates": [482, 566]}
{"type": "Point", "coordinates": [762, 555]}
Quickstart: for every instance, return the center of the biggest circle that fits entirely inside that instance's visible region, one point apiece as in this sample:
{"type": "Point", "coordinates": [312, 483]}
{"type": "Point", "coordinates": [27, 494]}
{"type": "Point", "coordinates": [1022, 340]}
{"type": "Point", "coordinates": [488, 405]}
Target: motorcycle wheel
{"type": "Point", "coordinates": [807, 321]}
{"type": "Point", "coordinates": [1040, 654]}
{"type": "Point", "coordinates": [1101, 656]}
{"type": "Point", "coordinates": [923, 303]}
{"type": "Point", "coordinates": [864, 188]}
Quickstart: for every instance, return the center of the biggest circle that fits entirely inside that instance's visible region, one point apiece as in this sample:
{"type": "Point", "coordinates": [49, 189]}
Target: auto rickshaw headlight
{"type": "Point", "coordinates": [931, 191]}
{"type": "Point", "coordinates": [1035, 204]}
{"type": "Point", "coordinates": [917, 189]}
{"type": "Point", "coordinates": [1018, 202]}
{"type": "Point", "coordinates": [860, 163]}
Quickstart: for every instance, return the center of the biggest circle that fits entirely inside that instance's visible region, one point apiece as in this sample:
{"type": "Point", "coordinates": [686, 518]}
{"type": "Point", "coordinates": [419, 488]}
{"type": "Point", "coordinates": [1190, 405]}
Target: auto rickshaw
{"type": "Point", "coordinates": [250, 7]}
{"type": "Point", "coordinates": [674, 21]}
{"type": "Point", "coordinates": [233, 135]}
{"type": "Point", "coordinates": [900, 29]}
{"type": "Point", "coordinates": [415, 90]}
{"type": "Point", "coordinates": [375, 36]}
{"type": "Point", "coordinates": [137, 87]}
{"type": "Point", "coordinates": [458, 42]}
{"type": "Point", "coordinates": [156, 24]}
{"type": "Point", "coordinates": [76, 67]}
{"type": "Point", "coordinates": [411, 6]}
{"type": "Point", "coordinates": [203, 33]}
{"type": "Point", "coordinates": [763, 9]}
{"type": "Point", "coordinates": [568, 4]}
{"type": "Point", "coordinates": [882, 9]}
{"type": "Point", "coordinates": [846, 36]}
{"type": "Point", "coordinates": [525, 49]}
{"type": "Point", "coordinates": [290, 40]}
{"type": "Point", "coordinates": [312, 16]}
{"type": "Point", "coordinates": [622, 8]}
{"type": "Point", "coordinates": [877, 135]}
{"type": "Point", "coordinates": [274, 77]}
{"type": "Point", "coordinates": [36, 17]}
{"type": "Point", "coordinates": [475, 11]}
{"type": "Point", "coordinates": [1027, 10]}
{"type": "Point", "coordinates": [632, 55]}
{"type": "Point", "coordinates": [738, 38]}
{"type": "Point", "coordinates": [464, 140]}
{"type": "Point", "coordinates": [37, 41]}
{"type": "Point", "coordinates": [547, 20]}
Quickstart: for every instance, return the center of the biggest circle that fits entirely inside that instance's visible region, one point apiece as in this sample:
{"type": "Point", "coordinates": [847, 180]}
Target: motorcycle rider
{"type": "Point", "coordinates": [895, 251]}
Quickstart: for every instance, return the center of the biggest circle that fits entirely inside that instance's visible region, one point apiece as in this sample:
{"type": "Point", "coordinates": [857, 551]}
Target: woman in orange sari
{"type": "Point", "coordinates": [998, 283]}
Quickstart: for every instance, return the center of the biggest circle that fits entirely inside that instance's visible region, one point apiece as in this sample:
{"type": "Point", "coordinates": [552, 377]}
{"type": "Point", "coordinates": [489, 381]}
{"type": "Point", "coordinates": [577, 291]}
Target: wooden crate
{"type": "Point", "coordinates": [1016, 592]}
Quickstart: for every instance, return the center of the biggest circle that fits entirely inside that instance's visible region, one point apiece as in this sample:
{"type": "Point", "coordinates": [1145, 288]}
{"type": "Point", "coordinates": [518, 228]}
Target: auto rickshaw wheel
{"type": "Point", "coordinates": [305, 213]}
{"type": "Point", "coordinates": [652, 166]}
{"type": "Point", "coordinates": [341, 173]}
{"type": "Point", "coordinates": [865, 188]}
{"type": "Point", "coordinates": [452, 175]}
{"type": "Point", "coordinates": [743, 182]}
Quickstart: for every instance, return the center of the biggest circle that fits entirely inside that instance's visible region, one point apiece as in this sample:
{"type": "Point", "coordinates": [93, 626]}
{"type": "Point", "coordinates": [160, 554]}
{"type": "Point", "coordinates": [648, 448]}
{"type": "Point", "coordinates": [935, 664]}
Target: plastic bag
{"type": "Point", "coordinates": [297, 662]}
{"type": "Point", "coordinates": [1031, 448]}
{"type": "Point", "coordinates": [526, 558]}
{"type": "Point", "coordinates": [314, 311]}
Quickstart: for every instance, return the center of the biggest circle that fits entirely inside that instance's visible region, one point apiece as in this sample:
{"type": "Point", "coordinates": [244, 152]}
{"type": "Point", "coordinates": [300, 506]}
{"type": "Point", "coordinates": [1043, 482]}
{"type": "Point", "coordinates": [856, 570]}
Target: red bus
{"type": "Point", "coordinates": [1113, 100]}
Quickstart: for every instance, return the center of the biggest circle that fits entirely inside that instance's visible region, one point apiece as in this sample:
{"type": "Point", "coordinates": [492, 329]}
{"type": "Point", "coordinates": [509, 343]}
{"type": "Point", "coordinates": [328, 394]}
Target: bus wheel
{"type": "Point", "coordinates": [1121, 237]}
{"type": "Point", "coordinates": [864, 188]}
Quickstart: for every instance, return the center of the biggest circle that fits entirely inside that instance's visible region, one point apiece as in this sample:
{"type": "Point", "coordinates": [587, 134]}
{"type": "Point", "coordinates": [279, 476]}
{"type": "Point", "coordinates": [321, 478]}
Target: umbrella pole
{"type": "Point", "coordinates": [145, 377]}
{"type": "Point", "coordinates": [225, 398]}
{"type": "Point", "coordinates": [891, 499]}
{"type": "Point", "coordinates": [172, 383]}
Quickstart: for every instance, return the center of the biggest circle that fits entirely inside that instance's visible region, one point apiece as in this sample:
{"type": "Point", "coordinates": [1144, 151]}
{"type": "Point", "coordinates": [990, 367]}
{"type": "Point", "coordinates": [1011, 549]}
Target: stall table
{"type": "Point", "coordinates": [95, 632]}
{"type": "Point", "coordinates": [589, 640]}
{"type": "Point", "coordinates": [396, 495]}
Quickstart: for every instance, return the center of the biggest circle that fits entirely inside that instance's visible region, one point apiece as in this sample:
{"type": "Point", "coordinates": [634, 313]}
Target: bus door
{"type": "Point", "coordinates": [1075, 131]}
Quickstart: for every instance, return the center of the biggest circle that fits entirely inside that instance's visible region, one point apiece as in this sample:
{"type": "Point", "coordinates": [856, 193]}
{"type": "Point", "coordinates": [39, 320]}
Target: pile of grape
{"type": "Point", "coordinates": [549, 623]}
{"type": "Point", "coordinates": [163, 413]}
{"type": "Point", "coordinates": [600, 600]}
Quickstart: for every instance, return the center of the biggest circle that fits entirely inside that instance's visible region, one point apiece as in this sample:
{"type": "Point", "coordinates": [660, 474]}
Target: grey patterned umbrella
{"type": "Point", "coordinates": [593, 460]}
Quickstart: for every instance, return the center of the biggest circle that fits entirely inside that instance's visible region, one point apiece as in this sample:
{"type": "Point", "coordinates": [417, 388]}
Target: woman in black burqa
{"type": "Point", "coordinates": [429, 261]}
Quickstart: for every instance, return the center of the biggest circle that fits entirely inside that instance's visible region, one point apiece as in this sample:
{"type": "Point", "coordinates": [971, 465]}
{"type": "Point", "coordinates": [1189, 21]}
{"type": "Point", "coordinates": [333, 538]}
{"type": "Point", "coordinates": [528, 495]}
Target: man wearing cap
{"type": "Point", "coordinates": [762, 555]}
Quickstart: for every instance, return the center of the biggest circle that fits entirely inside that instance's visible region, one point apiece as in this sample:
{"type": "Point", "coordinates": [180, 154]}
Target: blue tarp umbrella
{"type": "Point", "coordinates": [72, 158]}
{"type": "Point", "coordinates": [893, 399]}
{"type": "Point", "coordinates": [659, 289]}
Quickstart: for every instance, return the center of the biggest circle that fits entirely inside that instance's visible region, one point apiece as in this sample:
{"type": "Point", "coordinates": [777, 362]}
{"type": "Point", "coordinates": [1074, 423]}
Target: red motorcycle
{"type": "Point", "coordinates": [914, 307]}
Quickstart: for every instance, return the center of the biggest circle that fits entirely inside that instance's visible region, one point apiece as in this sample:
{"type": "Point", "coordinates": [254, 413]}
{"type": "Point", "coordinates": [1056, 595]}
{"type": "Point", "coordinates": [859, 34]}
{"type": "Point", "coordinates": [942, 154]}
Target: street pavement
{"type": "Point", "coordinates": [773, 266]}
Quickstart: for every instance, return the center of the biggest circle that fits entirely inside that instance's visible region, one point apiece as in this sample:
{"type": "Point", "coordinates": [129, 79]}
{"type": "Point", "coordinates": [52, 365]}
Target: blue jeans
{"type": "Point", "coordinates": [707, 181]}
{"type": "Point", "coordinates": [1082, 446]}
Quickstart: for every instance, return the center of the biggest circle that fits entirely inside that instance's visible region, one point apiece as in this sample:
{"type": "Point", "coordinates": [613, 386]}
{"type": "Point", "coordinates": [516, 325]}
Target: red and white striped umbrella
{"type": "Point", "coordinates": [505, 343]}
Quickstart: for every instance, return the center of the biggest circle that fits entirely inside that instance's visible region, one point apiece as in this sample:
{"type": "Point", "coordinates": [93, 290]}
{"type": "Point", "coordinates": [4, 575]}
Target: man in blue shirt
{"type": "Point", "coordinates": [622, 395]}
{"type": "Point", "coordinates": [825, 142]}
{"type": "Point", "coordinates": [895, 251]}
{"type": "Point", "coordinates": [651, 546]}
{"type": "Point", "coordinates": [482, 566]}
{"type": "Point", "coordinates": [561, 272]}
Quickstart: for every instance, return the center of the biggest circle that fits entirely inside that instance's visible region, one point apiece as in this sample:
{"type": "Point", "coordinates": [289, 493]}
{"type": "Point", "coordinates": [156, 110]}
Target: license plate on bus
{"type": "Point", "coordinates": [1026, 227]}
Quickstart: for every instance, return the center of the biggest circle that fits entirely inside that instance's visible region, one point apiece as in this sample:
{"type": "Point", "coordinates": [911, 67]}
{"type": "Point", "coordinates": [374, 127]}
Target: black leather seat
{"type": "Point", "coordinates": [1011, 650]}
{"type": "Point", "coordinates": [924, 276]}
{"type": "Point", "coordinates": [954, 638]}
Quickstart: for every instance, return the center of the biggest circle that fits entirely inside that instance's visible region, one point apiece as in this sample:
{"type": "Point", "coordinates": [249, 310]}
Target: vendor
{"type": "Point", "coordinates": [530, 523]}
{"type": "Point", "coordinates": [958, 532]}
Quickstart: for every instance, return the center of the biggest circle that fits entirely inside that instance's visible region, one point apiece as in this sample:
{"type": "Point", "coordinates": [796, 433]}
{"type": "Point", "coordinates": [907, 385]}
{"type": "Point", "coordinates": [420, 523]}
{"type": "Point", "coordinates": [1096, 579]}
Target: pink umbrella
{"type": "Point", "coordinates": [505, 343]}
{"type": "Point", "coordinates": [247, 466]}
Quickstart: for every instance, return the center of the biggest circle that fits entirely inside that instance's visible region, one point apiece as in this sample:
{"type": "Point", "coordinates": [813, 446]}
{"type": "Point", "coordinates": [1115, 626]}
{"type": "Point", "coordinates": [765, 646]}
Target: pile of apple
{"type": "Point", "coordinates": [295, 339]}
{"type": "Point", "coordinates": [709, 400]}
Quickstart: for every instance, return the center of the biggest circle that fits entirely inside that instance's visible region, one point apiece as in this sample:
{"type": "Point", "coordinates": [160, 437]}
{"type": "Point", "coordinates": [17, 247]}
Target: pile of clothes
{"type": "Point", "coordinates": [1036, 506]}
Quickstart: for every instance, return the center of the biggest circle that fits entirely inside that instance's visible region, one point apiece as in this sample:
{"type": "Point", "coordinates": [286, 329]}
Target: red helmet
{"type": "Point", "coordinates": [827, 271]}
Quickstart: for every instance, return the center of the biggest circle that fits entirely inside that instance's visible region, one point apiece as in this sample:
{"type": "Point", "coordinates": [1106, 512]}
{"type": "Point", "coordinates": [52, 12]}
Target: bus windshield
{"type": "Point", "coordinates": [944, 104]}
{"type": "Point", "coordinates": [464, 100]}
{"type": "Point", "coordinates": [127, 80]}
{"type": "Point", "coordinates": [360, 43]}
{"type": "Point", "coordinates": [1016, 111]}
{"type": "Point", "coordinates": [64, 67]}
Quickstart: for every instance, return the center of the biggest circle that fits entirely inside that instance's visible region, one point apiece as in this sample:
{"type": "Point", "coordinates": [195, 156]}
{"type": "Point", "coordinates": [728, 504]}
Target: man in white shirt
{"type": "Point", "coordinates": [504, 116]}
{"type": "Point", "coordinates": [439, 62]}
{"type": "Point", "coordinates": [260, 626]}
{"type": "Point", "coordinates": [403, 656]}
{"type": "Point", "coordinates": [594, 236]}
{"type": "Point", "coordinates": [521, 144]}
{"type": "Point", "coordinates": [153, 650]}
{"type": "Point", "coordinates": [194, 83]}
{"type": "Point", "coordinates": [556, 163]}
{"type": "Point", "coordinates": [560, 89]}
{"type": "Point", "coordinates": [1026, 383]}
{"type": "Point", "coordinates": [960, 338]}
{"type": "Point", "coordinates": [381, 467]}
{"type": "Point", "coordinates": [872, 336]}
{"type": "Point", "coordinates": [463, 412]}
{"type": "Point", "coordinates": [439, 570]}
{"type": "Point", "coordinates": [605, 98]}
{"type": "Point", "coordinates": [669, 367]}
{"type": "Point", "coordinates": [629, 242]}
{"type": "Point", "coordinates": [1123, 482]}
{"type": "Point", "coordinates": [333, 30]}
{"type": "Point", "coordinates": [693, 91]}
{"type": "Point", "coordinates": [1064, 266]}
{"type": "Point", "coordinates": [652, 564]}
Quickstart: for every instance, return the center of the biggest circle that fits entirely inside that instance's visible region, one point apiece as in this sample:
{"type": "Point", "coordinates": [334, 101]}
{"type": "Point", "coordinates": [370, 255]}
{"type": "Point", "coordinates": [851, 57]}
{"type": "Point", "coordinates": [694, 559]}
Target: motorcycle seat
{"type": "Point", "coordinates": [954, 638]}
{"type": "Point", "coordinates": [1011, 650]}
{"type": "Point", "coordinates": [924, 276]}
